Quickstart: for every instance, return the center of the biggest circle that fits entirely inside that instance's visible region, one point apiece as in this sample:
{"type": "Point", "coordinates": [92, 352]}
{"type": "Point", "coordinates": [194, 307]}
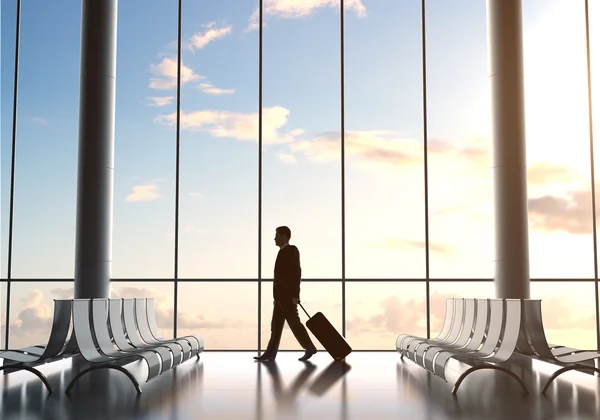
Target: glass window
{"type": "Point", "coordinates": [162, 292]}
{"type": "Point", "coordinates": [568, 312]}
{"type": "Point", "coordinates": [32, 311]}
{"type": "Point", "coordinates": [3, 302]}
{"type": "Point", "coordinates": [458, 119]}
{"type": "Point", "coordinates": [558, 181]}
{"type": "Point", "coordinates": [144, 186]}
{"type": "Point", "coordinates": [377, 312]}
{"type": "Point", "coordinates": [47, 136]}
{"type": "Point", "coordinates": [225, 315]}
{"type": "Point", "coordinates": [385, 202]}
{"type": "Point", "coordinates": [301, 135]}
{"type": "Point", "coordinates": [218, 225]}
{"type": "Point", "coordinates": [325, 297]}
{"type": "Point", "coordinates": [7, 78]}
{"type": "Point", "coordinates": [594, 25]}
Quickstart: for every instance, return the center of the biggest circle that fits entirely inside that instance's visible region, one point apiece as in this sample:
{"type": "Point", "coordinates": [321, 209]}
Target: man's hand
{"type": "Point", "coordinates": [296, 300]}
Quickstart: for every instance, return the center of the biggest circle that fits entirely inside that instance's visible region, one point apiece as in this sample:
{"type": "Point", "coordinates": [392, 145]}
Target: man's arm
{"type": "Point", "coordinates": [294, 271]}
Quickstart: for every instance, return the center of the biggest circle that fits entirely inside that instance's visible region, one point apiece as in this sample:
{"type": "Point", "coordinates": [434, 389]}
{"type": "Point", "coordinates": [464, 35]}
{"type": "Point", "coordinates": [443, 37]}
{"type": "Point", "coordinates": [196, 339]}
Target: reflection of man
{"type": "Point", "coordinates": [286, 295]}
{"type": "Point", "coordinates": [286, 398]}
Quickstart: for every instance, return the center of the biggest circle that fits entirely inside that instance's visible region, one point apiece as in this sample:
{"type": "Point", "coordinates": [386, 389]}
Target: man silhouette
{"type": "Point", "coordinates": [286, 296]}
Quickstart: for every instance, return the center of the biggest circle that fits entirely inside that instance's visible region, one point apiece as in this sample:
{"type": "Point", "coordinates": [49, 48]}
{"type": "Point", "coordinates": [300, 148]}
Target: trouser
{"type": "Point", "coordinates": [284, 309]}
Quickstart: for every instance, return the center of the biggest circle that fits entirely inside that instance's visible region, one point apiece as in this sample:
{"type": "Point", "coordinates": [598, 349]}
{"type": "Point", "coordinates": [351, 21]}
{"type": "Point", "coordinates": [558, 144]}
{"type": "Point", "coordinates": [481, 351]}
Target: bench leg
{"type": "Point", "coordinates": [563, 370]}
{"type": "Point", "coordinates": [119, 368]}
{"type": "Point", "coordinates": [479, 367]}
{"type": "Point", "coordinates": [32, 370]}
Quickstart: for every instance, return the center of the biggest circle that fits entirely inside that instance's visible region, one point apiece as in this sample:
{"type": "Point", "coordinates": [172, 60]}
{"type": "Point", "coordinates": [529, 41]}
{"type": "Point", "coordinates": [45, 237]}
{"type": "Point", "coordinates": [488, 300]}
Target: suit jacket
{"type": "Point", "coordinates": [287, 273]}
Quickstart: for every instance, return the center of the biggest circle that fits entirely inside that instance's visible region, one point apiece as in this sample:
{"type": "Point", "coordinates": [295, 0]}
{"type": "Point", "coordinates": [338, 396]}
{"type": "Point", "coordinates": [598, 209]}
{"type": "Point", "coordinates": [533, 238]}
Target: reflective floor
{"type": "Point", "coordinates": [230, 385]}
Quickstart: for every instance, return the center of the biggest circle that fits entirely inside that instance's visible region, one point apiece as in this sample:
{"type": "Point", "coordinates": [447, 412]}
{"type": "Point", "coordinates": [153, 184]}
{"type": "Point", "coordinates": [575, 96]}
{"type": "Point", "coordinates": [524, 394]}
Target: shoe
{"type": "Point", "coordinates": [308, 354]}
{"type": "Point", "coordinates": [264, 358]}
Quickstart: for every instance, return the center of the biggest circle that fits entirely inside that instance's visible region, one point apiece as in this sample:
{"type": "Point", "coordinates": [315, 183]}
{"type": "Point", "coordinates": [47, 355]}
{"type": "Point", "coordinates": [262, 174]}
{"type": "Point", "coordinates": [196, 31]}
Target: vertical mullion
{"type": "Point", "coordinates": [425, 168]}
{"type": "Point", "coordinates": [12, 174]}
{"type": "Point", "coordinates": [591, 131]}
{"type": "Point", "coordinates": [260, 129]}
{"type": "Point", "coordinates": [177, 148]}
{"type": "Point", "coordinates": [343, 166]}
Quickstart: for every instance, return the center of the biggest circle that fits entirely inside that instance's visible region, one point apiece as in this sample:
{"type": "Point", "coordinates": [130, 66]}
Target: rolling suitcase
{"type": "Point", "coordinates": [327, 335]}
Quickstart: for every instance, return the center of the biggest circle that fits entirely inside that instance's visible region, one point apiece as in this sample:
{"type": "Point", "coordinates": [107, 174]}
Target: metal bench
{"type": "Point", "coordinates": [404, 340]}
{"type": "Point", "coordinates": [181, 351]}
{"type": "Point", "coordinates": [155, 332]}
{"type": "Point", "coordinates": [142, 321]}
{"type": "Point", "coordinates": [58, 346]}
{"type": "Point", "coordinates": [533, 343]}
{"type": "Point", "coordinates": [97, 347]}
{"type": "Point", "coordinates": [500, 325]}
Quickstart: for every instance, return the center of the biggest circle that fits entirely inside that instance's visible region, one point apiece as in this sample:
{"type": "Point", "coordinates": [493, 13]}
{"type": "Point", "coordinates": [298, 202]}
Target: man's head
{"type": "Point", "coordinates": [282, 235]}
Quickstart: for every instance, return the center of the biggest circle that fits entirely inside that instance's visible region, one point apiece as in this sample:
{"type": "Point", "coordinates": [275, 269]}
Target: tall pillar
{"type": "Point", "coordinates": [96, 148]}
{"type": "Point", "coordinates": [508, 164]}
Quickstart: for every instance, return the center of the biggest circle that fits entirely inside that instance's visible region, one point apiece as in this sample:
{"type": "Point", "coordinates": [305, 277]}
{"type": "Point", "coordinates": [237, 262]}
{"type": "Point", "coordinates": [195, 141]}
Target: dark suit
{"type": "Point", "coordinates": [286, 287]}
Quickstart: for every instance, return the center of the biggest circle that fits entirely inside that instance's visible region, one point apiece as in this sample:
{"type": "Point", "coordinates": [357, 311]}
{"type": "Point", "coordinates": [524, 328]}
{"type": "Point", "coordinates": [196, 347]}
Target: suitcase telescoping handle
{"type": "Point", "coordinates": [304, 310]}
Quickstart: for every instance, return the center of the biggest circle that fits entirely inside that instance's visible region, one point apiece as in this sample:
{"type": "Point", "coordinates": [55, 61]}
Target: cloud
{"type": "Point", "coordinates": [34, 320]}
{"type": "Point", "coordinates": [40, 121]}
{"type": "Point", "coordinates": [201, 39]}
{"type": "Point", "coordinates": [160, 100]}
{"type": "Point", "coordinates": [561, 316]}
{"type": "Point", "coordinates": [571, 213]}
{"type": "Point", "coordinates": [382, 147]}
{"type": "Point", "coordinates": [167, 70]}
{"type": "Point", "coordinates": [240, 126]}
{"type": "Point", "coordinates": [402, 244]}
{"type": "Point", "coordinates": [143, 193]}
{"type": "Point", "coordinates": [199, 322]}
{"type": "Point", "coordinates": [211, 90]}
{"type": "Point", "coordinates": [286, 158]}
{"type": "Point", "coordinates": [189, 228]}
{"type": "Point", "coordinates": [396, 316]}
{"type": "Point", "coordinates": [164, 311]}
{"type": "Point", "coordinates": [196, 194]}
{"type": "Point", "coordinates": [543, 173]}
{"type": "Point", "coordinates": [293, 9]}
{"type": "Point", "coordinates": [254, 21]}
{"type": "Point", "coordinates": [61, 293]}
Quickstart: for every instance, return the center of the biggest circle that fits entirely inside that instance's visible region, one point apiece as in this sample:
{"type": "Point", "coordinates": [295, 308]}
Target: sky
{"type": "Point", "coordinates": [301, 173]}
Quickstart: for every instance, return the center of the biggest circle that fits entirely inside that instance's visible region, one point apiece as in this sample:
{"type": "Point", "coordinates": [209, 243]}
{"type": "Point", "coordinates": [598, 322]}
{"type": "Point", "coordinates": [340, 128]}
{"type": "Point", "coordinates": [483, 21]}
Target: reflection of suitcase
{"type": "Point", "coordinates": [327, 335]}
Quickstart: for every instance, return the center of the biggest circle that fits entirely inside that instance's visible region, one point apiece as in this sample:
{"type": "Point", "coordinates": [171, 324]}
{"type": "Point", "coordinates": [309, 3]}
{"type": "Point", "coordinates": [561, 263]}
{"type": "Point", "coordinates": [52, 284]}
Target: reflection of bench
{"type": "Point", "coordinates": [479, 332]}
{"type": "Point", "coordinates": [116, 338]}
{"type": "Point", "coordinates": [58, 346]}
{"type": "Point", "coordinates": [532, 342]}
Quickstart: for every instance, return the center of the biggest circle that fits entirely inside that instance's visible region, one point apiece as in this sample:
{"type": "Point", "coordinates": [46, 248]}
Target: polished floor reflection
{"type": "Point", "coordinates": [230, 385]}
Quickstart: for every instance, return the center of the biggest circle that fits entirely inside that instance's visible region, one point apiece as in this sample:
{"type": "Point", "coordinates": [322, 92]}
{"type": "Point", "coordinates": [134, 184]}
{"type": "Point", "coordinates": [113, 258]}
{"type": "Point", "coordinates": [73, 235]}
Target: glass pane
{"type": "Point", "coordinates": [378, 312]}
{"type": "Point", "coordinates": [568, 312]}
{"type": "Point", "coordinates": [47, 136]}
{"type": "Point", "coordinates": [440, 291]}
{"type": "Point", "coordinates": [594, 22]}
{"type": "Point", "coordinates": [301, 135]}
{"type": "Point", "coordinates": [7, 64]}
{"type": "Point", "coordinates": [385, 234]}
{"type": "Point", "coordinates": [144, 188]}
{"type": "Point", "coordinates": [325, 297]}
{"type": "Point", "coordinates": [3, 302]}
{"type": "Point", "coordinates": [225, 315]}
{"type": "Point", "coordinates": [559, 190]}
{"type": "Point", "coordinates": [219, 133]}
{"type": "Point", "coordinates": [163, 294]}
{"type": "Point", "coordinates": [458, 111]}
{"type": "Point", "coordinates": [32, 310]}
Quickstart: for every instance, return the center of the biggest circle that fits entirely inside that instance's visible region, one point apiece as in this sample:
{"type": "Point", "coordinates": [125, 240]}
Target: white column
{"type": "Point", "coordinates": [93, 253]}
{"type": "Point", "coordinates": [508, 163]}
